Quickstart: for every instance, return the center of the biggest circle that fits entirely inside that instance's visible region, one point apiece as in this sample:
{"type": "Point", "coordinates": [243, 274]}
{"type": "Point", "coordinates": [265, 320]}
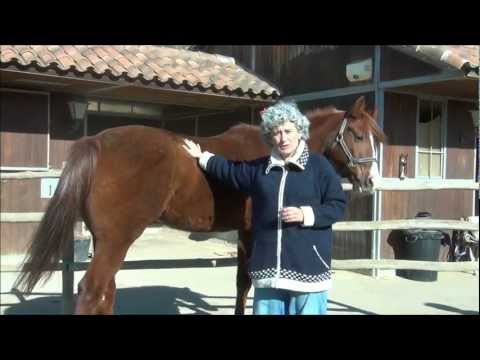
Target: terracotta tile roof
{"type": "Point", "coordinates": [463, 57]}
{"type": "Point", "coordinates": [159, 64]}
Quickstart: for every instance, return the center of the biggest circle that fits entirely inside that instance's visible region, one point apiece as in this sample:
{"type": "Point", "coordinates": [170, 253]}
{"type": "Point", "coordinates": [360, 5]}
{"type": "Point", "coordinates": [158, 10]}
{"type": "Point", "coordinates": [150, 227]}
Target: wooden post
{"type": "Point", "coordinates": [67, 279]}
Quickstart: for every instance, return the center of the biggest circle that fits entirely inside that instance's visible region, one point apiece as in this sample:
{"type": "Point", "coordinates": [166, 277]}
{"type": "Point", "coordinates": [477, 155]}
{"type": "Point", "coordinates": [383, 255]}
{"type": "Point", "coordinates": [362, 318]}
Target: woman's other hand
{"type": "Point", "coordinates": [292, 214]}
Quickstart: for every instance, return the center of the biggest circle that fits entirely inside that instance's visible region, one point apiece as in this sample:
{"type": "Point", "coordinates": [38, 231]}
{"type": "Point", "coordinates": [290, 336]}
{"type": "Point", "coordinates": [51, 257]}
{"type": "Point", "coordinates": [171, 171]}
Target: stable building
{"type": "Point", "coordinates": [427, 101]}
{"type": "Point", "coordinates": [53, 95]}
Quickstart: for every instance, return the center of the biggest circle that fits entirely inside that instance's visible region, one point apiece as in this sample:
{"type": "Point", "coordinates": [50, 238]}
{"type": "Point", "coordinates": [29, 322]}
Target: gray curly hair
{"type": "Point", "coordinates": [279, 114]}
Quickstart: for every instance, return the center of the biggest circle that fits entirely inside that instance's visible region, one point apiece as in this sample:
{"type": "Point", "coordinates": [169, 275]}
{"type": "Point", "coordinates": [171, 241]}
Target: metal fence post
{"type": "Point", "coordinates": [377, 195]}
{"type": "Point", "coordinates": [67, 279]}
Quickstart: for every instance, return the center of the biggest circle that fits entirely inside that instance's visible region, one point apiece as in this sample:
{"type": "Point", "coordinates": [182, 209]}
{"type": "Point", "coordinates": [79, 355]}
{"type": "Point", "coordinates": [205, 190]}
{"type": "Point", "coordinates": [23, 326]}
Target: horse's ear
{"type": "Point", "coordinates": [374, 114]}
{"type": "Point", "coordinates": [358, 107]}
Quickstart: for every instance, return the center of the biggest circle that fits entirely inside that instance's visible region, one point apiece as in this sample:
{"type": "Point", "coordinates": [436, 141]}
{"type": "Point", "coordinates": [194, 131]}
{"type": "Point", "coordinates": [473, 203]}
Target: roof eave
{"type": "Point", "coordinates": [111, 81]}
{"type": "Point", "coordinates": [440, 57]}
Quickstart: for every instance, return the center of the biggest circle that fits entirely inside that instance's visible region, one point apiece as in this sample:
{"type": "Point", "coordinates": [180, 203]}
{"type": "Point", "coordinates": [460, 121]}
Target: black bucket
{"type": "Point", "coordinates": [421, 245]}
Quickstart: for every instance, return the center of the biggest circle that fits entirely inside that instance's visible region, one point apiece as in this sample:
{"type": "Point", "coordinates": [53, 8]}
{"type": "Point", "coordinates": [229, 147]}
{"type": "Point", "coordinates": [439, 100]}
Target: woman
{"type": "Point", "coordinates": [296, 197]}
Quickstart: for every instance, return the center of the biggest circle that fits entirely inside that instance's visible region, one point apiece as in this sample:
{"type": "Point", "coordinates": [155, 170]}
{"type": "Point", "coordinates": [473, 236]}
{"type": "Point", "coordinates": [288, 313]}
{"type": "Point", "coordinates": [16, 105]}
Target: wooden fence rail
{"type": "Point", "coordinates": [405, 224]}
{"type": "Point", "coordinates": [384, 184]}
{"type": "Point", "coordinates": [352, 264]}
{"type": "Point", "coordinates": [381, 184]}
{"type": "Point", "coordinates": [22, 175]}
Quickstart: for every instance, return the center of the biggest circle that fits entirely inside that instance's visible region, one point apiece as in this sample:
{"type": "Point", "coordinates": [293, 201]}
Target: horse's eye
{"type": "Point", "coordinates": [356, 136]}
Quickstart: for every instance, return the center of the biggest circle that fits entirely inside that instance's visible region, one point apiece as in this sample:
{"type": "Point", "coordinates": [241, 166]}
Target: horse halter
{"type": "Point", "coordinates": [352, 161]}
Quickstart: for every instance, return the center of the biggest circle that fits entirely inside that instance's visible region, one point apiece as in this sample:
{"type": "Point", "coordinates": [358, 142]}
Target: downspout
{"type": "Point", "coordinates": [253, 54]}
{"type": "Point", "coordinates": [377, 195]}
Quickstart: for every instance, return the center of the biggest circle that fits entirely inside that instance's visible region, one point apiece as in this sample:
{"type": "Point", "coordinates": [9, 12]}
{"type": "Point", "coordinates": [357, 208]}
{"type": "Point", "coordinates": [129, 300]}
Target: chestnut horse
{"type": "Point", "coordinates": [124, 179]}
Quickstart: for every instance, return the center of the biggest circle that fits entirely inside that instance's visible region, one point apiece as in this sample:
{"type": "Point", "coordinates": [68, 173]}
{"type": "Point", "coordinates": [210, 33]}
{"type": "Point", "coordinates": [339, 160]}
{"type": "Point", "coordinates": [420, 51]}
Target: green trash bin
{"type": "Point", "coordinates": [421, 245]}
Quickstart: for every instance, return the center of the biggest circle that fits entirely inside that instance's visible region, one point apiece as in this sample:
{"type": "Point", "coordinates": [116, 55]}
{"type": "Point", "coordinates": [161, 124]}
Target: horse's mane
{"type": "Point", "coordinates": [321, 112]}
{"type": "Point", "coordinates": [378, 133]}
{"type": "Point", "coordinates": [240, 130]}
{"type": "Point", "coordinates": [243, 126]}
{"type": "Point", "coordinates": [316, 115]}
{"type": "Point", "coordinates": [324, 112]}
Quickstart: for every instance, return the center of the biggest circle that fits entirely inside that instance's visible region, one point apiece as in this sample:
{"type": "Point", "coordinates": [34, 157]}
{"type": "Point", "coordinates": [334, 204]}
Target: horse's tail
{"type": "Point", "coordinates": [67, 205]}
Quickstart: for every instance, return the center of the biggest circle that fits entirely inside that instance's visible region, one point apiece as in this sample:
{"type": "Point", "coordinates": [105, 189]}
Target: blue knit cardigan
{"type": "Point", "coordinates": [293, 256]}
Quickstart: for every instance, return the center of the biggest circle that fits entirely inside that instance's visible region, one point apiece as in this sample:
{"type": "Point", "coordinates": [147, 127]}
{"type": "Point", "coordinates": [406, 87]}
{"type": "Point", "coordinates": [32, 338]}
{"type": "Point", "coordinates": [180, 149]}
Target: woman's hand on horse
{"type": "Point", "coordinates": [292, 214]}
{"type": "Point", "coordinates": [192, 148]}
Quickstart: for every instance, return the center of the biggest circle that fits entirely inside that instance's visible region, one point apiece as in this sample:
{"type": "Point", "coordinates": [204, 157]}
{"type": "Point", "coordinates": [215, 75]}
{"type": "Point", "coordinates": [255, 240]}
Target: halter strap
{"type": "Point", "coordinates": [352, 161]}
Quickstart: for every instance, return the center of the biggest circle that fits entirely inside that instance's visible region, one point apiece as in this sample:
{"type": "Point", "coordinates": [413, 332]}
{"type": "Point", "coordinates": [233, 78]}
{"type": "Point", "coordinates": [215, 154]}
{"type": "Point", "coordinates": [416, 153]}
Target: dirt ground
{"type": "Point", "coordinates": [196, 275]}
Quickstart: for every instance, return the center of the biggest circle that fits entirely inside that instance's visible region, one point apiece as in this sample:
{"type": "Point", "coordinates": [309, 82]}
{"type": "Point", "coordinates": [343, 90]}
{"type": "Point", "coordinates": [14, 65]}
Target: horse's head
{"type": "Point", "coordinates": [348, 140]}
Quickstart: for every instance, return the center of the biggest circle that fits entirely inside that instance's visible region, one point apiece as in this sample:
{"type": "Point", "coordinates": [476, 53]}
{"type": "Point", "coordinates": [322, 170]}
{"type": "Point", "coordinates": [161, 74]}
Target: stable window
{"type": "Point", "coordinates": [430, 139]}
{"type": "Point", "coordinates": [106, 114]}
{"type": "Point", "coordinates": [24, 129]}
{"type": "Point", "coordinates": [125, 108]}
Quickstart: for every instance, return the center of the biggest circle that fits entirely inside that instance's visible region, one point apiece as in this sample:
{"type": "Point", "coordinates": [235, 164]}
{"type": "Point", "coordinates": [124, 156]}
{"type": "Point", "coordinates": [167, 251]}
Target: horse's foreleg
{"type": "Point", "coordinates": [243, 279]}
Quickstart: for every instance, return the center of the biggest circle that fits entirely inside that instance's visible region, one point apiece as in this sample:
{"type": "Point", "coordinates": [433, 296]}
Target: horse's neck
{"type": "Point", "coordinates": [323, 133]}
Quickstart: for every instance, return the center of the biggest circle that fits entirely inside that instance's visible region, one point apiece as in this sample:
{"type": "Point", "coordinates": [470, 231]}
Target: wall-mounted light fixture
{"type": "Point", "coordinates": [402, 166]}
{"type": "Point", "coordinates": [475, 119]}
{"type": "Point", "coordinates": [78, 110]}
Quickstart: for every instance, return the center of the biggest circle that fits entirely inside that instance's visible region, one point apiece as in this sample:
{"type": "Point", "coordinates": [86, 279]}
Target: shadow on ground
{"type": "Point", "coordinates": [452, 309]}
{"type": "Point", "coordinates": [228, 236]}
{"type": "Point", "coordinates": [201, 236]}
{"type": "Point", "coordinates": [152, 300]}
{"type": "Point", "coordinates": [340, 308]}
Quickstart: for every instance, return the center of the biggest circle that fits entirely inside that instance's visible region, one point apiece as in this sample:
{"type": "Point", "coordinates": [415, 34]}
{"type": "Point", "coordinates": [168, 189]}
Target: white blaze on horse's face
{"type": "Point", "coordinates": [374, 174]}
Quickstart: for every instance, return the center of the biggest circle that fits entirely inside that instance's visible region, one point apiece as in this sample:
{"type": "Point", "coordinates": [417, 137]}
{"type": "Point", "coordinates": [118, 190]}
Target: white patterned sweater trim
{"type": "Point", "coordinates": [291, 280]}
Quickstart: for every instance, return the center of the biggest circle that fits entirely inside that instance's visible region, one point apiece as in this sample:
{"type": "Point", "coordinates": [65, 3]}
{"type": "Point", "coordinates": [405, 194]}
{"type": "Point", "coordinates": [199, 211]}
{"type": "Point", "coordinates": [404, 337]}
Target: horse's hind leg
{"type": "Point", "coordinates": [244, 282]}
{"type": "Point", "coordinates": [97, 287]}
{"type": "Point", "coordinates": [104, 306]}
{"type": "Point", "coordinates": [110, 297]}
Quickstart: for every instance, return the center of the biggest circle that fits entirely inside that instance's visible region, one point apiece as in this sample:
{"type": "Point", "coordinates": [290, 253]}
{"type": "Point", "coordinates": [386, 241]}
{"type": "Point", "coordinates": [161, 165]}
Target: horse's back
{"type": "Point", "coordinates": [134, 139]}
{"type": "Point", "coordinates": [240, 142]}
